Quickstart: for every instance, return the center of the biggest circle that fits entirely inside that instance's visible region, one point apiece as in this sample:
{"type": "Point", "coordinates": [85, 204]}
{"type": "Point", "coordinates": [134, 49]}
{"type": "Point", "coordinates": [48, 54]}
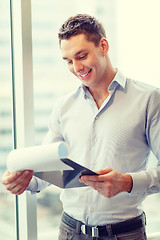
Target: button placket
{"type": "Point", "coordinates": [93, 142]}
{"type": "Point", "coordinates": [91, 209]}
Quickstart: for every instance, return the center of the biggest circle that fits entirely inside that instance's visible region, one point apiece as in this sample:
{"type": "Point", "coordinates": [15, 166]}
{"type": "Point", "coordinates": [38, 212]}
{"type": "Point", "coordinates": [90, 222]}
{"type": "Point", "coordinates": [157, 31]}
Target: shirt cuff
{"type": "Point", "coordinates": [139, 182]}
{"type": "Point", "coordinates": [36, 185]}
{"type": "Point", "coordinates": [33, 186]}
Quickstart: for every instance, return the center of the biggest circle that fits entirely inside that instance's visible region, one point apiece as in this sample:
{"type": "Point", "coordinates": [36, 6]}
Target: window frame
{"type": "Point", "coordinates": [23, 108]}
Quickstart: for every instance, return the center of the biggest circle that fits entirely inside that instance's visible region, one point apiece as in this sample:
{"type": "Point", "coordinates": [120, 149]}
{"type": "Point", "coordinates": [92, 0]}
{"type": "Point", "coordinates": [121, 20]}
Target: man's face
{"type": "Point", "coordinates": [85, 60]}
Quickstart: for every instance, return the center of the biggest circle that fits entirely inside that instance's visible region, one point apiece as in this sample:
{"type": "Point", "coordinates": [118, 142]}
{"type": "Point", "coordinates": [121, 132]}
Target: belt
{"type": "Point", "coordinates": [106, 230]}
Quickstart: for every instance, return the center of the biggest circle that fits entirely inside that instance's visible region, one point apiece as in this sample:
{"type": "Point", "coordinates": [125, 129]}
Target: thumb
{"type": "Point", "coordinates": [104, 171]}
{"type": "Point", "coordinates": [7, 173]}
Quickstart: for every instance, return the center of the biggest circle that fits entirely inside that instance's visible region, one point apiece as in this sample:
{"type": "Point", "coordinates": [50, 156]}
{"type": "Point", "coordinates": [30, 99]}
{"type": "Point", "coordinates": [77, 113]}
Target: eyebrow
{"type": "Point", "coordinates": [76, 54]}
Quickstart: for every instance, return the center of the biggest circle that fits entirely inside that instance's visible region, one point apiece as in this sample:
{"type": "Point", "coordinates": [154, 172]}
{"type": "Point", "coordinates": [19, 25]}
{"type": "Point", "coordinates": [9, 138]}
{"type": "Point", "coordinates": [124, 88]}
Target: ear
{"type": "Point", "coordinates": [104, 45]}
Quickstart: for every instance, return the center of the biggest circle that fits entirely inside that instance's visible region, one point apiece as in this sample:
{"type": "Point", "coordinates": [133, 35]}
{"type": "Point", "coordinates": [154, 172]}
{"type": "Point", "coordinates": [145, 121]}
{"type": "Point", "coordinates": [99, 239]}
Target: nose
{"type": "Point", "coordinates": [77, 66]}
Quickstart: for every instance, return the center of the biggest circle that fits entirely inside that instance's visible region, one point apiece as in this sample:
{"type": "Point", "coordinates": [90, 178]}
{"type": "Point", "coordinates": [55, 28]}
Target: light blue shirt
{"type": "Point", "coordinates": [121, 135]}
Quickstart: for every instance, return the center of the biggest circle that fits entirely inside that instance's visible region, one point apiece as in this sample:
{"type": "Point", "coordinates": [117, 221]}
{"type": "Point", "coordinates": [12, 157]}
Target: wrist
{"type": "Point", "coordinates": [128, 183]}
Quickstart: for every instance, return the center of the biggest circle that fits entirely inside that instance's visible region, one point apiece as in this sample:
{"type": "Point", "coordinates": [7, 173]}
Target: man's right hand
{"type": "Point", "coordinates": [17, 182]}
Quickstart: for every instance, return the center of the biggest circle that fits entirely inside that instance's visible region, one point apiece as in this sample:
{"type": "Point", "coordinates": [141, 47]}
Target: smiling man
{"type": "Point", "coordinates": [111, 123]}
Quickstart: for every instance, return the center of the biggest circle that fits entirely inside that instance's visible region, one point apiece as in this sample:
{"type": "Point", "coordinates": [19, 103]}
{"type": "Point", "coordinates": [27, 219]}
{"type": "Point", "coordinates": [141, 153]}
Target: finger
{"type": "Point", "coordinates": [98, 177]}
{"type": "Point", "coordinates": [20, 181]}
{"type": "Point", "coordinates": [21, 191]}
{"type": "Point", "coordinates": [10, 177]}
{"type": "Point", "coordinates": [104, 171]}
{"type": "Point", "coordinates": [7, 173]}
{"type": "Point", "coordinates": [104, 189]}
{"type": "Point", "coordinates": [93, 184]}
{"type": "Point", "coordinates": [21, 184]}
{"type": "Point", "coordinates": [88, 178]}
{"type": "Point", "coordinates": [18, 190]}
{"type": "Point", "coordinates": [92, 178]}
{"type": "Point", "coordinates": [4, 177]}
{"type": "Point", "coordinates": [24, 178]}
{"type": "Point", "coordinates": [97, 185]}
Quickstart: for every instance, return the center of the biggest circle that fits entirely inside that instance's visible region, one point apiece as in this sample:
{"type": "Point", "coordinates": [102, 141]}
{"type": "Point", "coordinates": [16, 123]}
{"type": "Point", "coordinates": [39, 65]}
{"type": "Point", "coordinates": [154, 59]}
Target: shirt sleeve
{"type": "Point", "coordinates": [54, 133]}
{"type": "Point", "coordinates": [148, 181]}
{"type": "Point", "coordinates": [36, 185]}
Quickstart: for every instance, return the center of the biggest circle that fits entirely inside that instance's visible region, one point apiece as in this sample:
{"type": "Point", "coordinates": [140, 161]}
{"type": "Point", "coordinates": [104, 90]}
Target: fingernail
{"type": "Point", "coordinates": [26, 172]}
{"type": "Point", "coordinates": [82, 179]}
{"type": "Point", "coordinates": [19, 173]}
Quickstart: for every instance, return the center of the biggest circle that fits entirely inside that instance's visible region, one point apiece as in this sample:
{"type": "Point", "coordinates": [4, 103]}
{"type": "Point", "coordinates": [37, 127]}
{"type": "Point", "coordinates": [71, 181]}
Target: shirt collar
{"type": "Point", "coordinates": [85, 91]}
{"type": "Point", "coordinates": [119, 79]}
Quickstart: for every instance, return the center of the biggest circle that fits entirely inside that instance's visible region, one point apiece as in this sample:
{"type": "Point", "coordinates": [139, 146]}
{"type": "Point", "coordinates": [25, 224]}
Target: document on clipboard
{"type": "Point", "coordinates": [66, 178]}
{"type": "Point", "coordinates": [49, 162]}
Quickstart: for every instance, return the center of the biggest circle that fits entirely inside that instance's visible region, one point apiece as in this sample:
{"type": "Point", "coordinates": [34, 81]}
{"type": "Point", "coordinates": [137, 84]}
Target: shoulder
{"type": "Point", "coordinates": [142, 88]}
{"type": "Point", "coordinates": [141, 85]}
{"type": "Point", "coordinates": [66, 101]}
{"type": "Point", "coordinates": [68, 98]}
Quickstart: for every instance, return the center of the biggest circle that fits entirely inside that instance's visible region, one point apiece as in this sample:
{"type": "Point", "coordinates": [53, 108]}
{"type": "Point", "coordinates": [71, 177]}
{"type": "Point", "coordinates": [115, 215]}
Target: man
{"type": "Point", "coordinates": [110, 123]}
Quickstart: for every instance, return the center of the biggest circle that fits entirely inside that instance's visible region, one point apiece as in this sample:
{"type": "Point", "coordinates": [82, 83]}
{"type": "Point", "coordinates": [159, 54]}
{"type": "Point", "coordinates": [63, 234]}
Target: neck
{"type": "Point", "coordinates": [100, 92]}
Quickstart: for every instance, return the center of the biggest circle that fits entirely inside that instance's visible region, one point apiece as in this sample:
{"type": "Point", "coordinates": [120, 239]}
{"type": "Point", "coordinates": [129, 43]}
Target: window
{"type": "Point", "coordinates": [138, 56]}
{"type": "Point", "coordinates": [134, 48]}
{"type": "Point", "coordinates": [6, 200]}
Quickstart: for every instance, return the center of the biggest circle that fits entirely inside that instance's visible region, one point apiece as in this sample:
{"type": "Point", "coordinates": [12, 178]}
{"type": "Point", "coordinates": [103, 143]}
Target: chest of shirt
{"type": "Point", "coordinates": [117, 128]}
{"type": "Point", "coordinates": [119, 116]}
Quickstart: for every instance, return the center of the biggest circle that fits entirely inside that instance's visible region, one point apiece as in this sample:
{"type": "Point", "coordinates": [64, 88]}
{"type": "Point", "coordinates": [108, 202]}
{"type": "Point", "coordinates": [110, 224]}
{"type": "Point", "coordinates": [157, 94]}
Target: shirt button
{"type": "Point", "coordinates": [96, 117]}
{"type": "Point", "coordinates": [95, 139]}
{"type": "Point", "coordinates": [92, 209]}
{"type": "Point", "coordinates": [94, 163]}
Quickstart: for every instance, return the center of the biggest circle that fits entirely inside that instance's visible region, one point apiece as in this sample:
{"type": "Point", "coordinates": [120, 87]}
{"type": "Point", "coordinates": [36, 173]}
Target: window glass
{"type": "Point", "coordinates": [7, 217]}
{"type": "Point", "coordinates": [138, 56]}
{"type": "Point", "coordinates": [128, 51]}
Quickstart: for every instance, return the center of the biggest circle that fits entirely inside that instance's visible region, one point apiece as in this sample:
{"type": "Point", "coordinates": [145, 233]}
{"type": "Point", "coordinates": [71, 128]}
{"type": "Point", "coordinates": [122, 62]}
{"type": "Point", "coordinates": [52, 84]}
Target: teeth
{"type": "Point", "coordinates": [84, 75]}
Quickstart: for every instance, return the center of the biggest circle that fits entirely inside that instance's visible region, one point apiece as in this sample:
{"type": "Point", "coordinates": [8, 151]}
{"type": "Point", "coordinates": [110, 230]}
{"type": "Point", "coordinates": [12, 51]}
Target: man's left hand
{"type": "Point", "coordinates": [109, 182]}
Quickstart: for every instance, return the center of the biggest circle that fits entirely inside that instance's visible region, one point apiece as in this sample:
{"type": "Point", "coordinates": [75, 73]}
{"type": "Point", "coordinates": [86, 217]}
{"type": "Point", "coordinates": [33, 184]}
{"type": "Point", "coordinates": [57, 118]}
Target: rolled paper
{"type": "Point", "coordinates": [39, 158]}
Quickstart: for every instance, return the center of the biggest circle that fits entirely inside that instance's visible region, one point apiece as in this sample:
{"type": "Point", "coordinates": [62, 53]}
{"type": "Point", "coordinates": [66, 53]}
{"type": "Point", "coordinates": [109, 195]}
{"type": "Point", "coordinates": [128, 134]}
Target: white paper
{"type": "Point", "coordinates": [39, 158]}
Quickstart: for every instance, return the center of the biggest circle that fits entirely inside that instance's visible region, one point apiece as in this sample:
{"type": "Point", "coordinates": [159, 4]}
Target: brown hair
{"type": "Point", "coordinates": [82, 23]}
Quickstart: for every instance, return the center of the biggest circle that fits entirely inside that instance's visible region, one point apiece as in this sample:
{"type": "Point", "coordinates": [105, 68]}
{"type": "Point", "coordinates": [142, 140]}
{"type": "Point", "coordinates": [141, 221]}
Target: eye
{"type": "Point", "coordinates": [84, 56]}
{"type": "Point", "coordinates": [69, 61]}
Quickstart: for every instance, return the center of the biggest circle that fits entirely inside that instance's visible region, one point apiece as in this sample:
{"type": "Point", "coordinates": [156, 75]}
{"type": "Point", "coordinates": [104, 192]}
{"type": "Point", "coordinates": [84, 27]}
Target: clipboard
{"type": "Point", "coordinates": [66, 178]}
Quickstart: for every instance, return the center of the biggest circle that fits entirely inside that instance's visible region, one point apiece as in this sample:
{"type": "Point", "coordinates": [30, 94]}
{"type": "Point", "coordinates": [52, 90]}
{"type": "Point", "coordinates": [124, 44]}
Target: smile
{"type": "Point", "coordinates": [85, 75]}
